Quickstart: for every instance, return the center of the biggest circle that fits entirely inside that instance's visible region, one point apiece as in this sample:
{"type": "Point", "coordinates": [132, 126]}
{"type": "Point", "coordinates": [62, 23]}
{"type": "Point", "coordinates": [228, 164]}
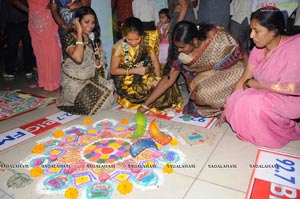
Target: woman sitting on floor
{"type": "Point", "coordinates": [212, 63]}
{"type": "Point", "coordinates": [136, 71]}
{"type": "Point", "coordinates": [83, 83]}
{"type": "Point", "coordinates": [265, 106]}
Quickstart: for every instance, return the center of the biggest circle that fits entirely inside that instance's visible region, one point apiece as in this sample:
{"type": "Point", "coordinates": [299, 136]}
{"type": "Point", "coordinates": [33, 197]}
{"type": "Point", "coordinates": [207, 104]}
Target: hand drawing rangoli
{"type": "Point", "coordinates": [94, 160]}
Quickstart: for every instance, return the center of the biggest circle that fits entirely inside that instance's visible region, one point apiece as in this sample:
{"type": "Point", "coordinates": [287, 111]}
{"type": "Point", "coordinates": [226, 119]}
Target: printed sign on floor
{"type": "Point", "coordinates": [197, 121]}
{"type": "Point", "coordinates": [40, 126]}
{"type": "Point", "coordinates": [18, 135]}
{"type": "Point", "coordinates": [275, 175]}
{"type": "Point", "coordinates": [13, 137]}
{"type": "Point", "coordinates": [62, 117]}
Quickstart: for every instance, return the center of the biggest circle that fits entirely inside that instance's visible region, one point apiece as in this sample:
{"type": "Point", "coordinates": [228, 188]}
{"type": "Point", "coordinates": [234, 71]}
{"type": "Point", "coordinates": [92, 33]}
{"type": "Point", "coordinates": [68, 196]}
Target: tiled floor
{"type": "Point", "coordinates": [200, 182]}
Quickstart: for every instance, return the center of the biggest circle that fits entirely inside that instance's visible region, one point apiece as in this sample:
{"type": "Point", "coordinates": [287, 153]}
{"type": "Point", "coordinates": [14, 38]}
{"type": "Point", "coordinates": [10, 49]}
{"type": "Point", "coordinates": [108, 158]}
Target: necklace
{"type": "Point", "coordinates": [86, 42]}
{"type": "Point", "coordinates": [126, 54]}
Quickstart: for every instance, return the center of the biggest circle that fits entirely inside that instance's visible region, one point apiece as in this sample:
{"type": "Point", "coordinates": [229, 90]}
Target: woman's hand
{"type": "Point", "coordinates": [246, 84]}
{"type": "Point", "coordinates": [153, 84]}
{"type": "Point", "coordinates": [222, 117]}
{"type": "Point", "coordinates": [142, 109]}
{"type": "Point", "coordinates": [77, 25]}
{"type": "Point", "coordinates": [67, 27]}
{"type": "Point", "coordinates": [97, 52]}
{"type": "Point", "coordinates": [141, 70]}
{"type": "Point", "coordinates": [252, 83]}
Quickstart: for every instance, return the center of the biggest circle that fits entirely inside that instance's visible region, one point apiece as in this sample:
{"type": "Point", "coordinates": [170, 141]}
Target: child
{"type": "Point", "coordinates": [163, 28]}
{"type": "Point", "coordinates": [136, 70]}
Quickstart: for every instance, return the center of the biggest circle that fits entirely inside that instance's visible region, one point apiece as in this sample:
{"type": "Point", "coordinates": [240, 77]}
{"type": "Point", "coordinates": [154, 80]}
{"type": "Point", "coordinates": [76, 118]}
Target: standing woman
{"type": "Point", "coordinates": [136, 71]}
{"type": "Point", "coordinates": [265, 107]}
{"type": "Point", "coordinates": [45, 43]}
{"type": "Point", "coordinates": [78, 95]}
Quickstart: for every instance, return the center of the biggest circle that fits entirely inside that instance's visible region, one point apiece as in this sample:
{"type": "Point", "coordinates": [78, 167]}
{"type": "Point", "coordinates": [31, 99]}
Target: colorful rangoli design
{"type": "Point", "coordinates": [97, 158]}
{"type": "Point", "coordinates": [106, 151]}
{"type": "Point", "coordinates": [13, 103]}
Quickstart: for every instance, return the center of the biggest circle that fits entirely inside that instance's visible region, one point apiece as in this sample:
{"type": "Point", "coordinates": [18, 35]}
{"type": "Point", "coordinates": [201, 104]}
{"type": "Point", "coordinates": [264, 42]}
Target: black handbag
{"type": "Point", "coordinates": [89, 99]}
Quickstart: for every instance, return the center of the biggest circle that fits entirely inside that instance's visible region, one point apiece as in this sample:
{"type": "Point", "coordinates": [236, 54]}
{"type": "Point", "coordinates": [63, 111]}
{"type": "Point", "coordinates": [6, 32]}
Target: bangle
{"type": "Point", "coordinates": [79, 42]}
{"type": "Point", "coordinates": [247, 83]}
{"type": "Point", "coordinates": [127, 71]}
{"type": "Point", "coordinates": [157, 78]}
{"type": "Point", "coordinates": [145, 107]}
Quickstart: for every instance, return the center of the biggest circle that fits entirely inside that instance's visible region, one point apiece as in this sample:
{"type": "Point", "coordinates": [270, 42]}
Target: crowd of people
{"type": "Point", "coordinates": [256, 90]}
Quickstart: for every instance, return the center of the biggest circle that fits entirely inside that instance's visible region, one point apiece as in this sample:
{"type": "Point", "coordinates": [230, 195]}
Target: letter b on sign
{"type": "Point", "coordinates": [281, 192]}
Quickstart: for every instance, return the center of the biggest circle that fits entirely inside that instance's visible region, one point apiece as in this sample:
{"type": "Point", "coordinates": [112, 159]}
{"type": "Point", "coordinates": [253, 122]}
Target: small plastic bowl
{"type": "Point", "coordinates": [186, 117]}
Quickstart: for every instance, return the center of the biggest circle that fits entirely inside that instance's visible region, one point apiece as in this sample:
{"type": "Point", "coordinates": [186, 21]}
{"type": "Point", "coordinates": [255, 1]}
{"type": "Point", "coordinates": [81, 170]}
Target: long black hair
{"type": "Point", "coordinates": [86, 10]}
{"type": "Point", "coordinates": [132, 24]}
{"type": "Point", "coordinates": [185, 32]}
{"type": "Point", "coordinates": [271, 18]}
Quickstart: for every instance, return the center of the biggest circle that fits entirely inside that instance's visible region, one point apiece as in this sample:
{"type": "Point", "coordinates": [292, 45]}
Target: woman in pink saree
{"type": "Point", "coordinates": [45, 43]}
{"type": "Point", "coordinates": [264, 109]}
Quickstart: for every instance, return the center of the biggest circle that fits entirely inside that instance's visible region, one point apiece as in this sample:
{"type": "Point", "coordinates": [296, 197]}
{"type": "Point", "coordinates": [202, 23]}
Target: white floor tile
{"type": "Point", "coordinates": [207, 190]}
{"type": "Point", "coordinates": [236, 155]}
{"type": "Point", "coordinates": [295, 145]}
{"type": "Point", "coordinates": [174, 187]}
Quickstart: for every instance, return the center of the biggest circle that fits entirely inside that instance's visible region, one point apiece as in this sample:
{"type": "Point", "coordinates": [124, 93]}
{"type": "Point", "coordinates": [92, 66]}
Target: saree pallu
{"type": "Point", "coordinates": [153, 36]}
{"type": "Point", "coordinates": [216, 69]}
{"type": "Point", "coordinates": [211, 90]}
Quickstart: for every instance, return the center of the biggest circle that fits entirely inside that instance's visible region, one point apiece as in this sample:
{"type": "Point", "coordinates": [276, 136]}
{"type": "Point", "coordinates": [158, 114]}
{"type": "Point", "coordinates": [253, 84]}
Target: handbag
{"type": "Point", "coordinates": [90, 98]}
